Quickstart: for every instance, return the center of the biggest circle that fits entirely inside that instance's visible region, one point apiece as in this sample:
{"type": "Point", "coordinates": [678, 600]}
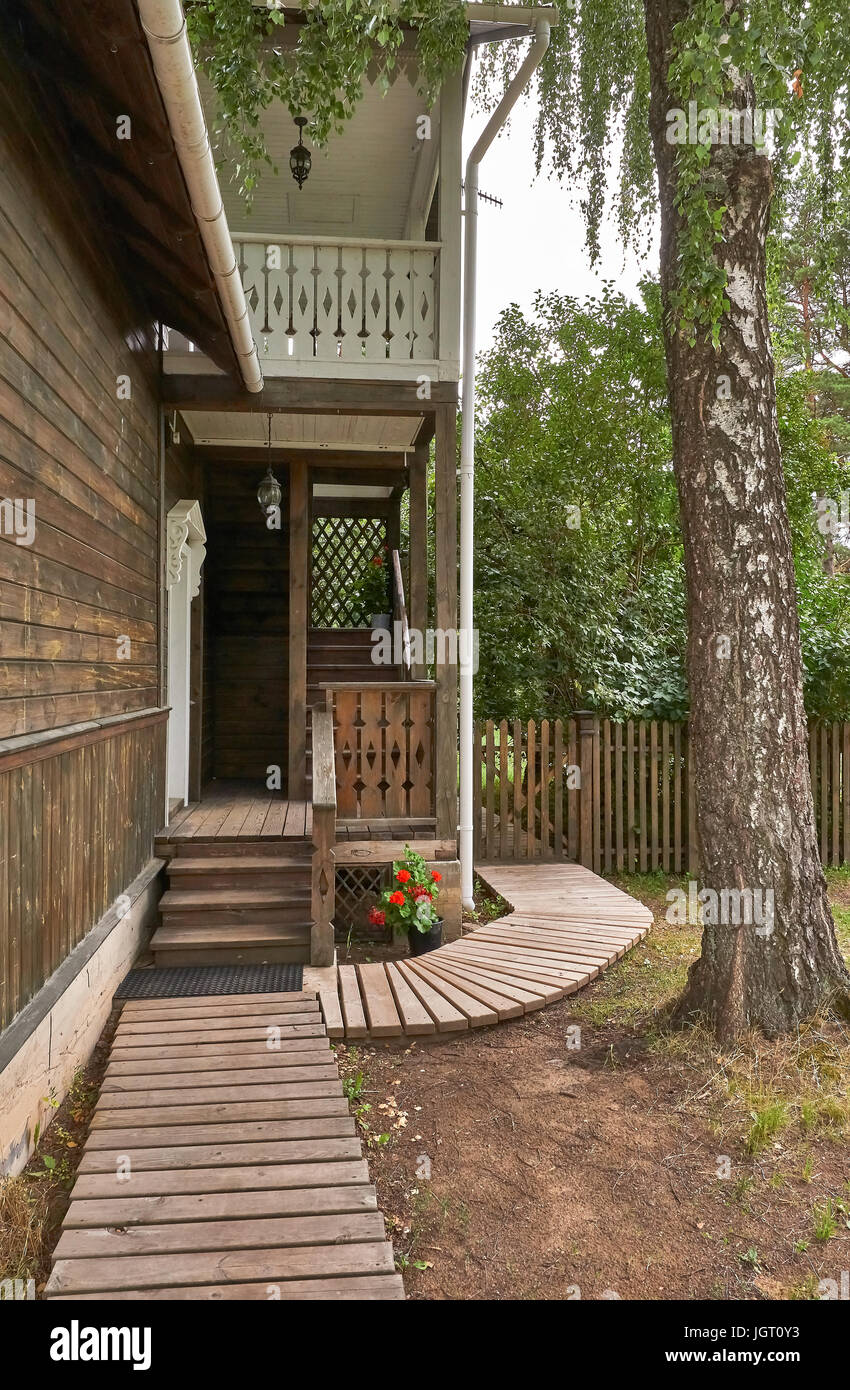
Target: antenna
{"type": "Point", "coordinates": [484, 197]}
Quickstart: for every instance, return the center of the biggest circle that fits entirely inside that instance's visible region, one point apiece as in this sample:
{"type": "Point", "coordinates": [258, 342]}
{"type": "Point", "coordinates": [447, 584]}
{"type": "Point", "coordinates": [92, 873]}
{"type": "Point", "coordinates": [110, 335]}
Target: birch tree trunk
{"type": "Point", "coordinates": [755, 815]}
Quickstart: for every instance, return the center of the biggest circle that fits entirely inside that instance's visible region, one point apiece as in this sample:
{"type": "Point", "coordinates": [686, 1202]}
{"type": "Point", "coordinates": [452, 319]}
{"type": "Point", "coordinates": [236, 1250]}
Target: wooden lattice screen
{"type": "Point", "coordinates": [384, 745]}
{"type": "Point", "coordinates": [358, 888]}
{"type": "Point", "coordinates": [343, 579]}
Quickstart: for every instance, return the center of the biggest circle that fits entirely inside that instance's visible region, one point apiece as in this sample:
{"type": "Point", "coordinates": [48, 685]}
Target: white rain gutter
{"type": "Point", "coordinates": [165, 30]}
{"type": "Point", "coordinates": [541, 29]}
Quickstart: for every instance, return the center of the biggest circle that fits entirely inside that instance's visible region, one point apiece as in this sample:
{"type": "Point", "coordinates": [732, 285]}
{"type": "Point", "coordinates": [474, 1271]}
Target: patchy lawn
{"type": "Point", "coordinates": [587, 1147]}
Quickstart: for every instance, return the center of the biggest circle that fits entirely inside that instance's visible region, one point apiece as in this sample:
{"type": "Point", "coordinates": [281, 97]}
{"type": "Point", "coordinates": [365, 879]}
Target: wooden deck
{"type": "Point", "coordinates": [220, 1166]}
{"type": "Point", "coordinates": [230, 811]}
{"type": "Point", "coordinates": [567, 926]}
{"type": "Point", "coordinates": [237, 811]}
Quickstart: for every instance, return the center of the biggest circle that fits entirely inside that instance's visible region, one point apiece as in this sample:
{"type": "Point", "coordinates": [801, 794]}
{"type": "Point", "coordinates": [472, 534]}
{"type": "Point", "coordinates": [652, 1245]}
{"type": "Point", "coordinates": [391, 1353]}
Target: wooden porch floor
{"type": "Point", "coordinates": [232, 811]}
{"type": "Point", "coordinates": [566, 927]}
{"type": "Point", "coordinates": [243, 1169]}
{"type": "Point", "coordinates": [240, 811]}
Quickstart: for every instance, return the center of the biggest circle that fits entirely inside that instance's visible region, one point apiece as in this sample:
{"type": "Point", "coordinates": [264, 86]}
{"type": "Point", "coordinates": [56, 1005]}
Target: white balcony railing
{"type": "Point", "coordinates": [321, 300]}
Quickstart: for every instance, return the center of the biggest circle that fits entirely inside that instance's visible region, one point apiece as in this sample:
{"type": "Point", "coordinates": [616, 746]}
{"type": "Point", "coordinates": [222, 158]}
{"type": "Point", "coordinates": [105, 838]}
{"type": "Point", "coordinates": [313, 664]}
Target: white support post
{"type": "Point", "coordinates": [467, 453]}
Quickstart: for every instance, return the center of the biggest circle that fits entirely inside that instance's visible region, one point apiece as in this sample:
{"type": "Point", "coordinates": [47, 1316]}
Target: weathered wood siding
{"type": "Point", "coordinates": [77, 820]}
{"type": "Point", "coordinates": [247, 592]}
{"type": "Point", "coordinates": [87, 460]}
{"type": "Point", "coordinates": [80, 800]}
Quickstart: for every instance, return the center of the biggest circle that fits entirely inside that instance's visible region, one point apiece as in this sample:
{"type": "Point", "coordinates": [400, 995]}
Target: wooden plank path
{"type": "Point", "coordinates": [567, 926]}
{"type": "Point", "coordinates": [223, 1163]}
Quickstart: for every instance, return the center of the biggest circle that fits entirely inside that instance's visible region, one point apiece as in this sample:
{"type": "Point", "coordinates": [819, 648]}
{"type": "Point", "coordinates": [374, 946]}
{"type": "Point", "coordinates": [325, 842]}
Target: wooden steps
{"type": "Point", "coordinates": [234, 908]}
{"type": "Point", "coordinates": [569, 925]}
{"type": "Point", "coordinates": [238, 1176]}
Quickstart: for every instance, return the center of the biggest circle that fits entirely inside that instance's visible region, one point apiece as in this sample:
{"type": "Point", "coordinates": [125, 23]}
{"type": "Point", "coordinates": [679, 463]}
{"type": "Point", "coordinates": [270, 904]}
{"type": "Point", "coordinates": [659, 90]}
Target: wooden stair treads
{"type": "Point", "coordinates": [242, 1163]}
{"type": "Point", "coordinates": [243, 905]}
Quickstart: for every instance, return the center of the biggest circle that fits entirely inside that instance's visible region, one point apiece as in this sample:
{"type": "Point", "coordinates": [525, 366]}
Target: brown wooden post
{"type": "Point", "coordinates": [693, 837]}
{"type": "Point", "coordinates": [418, 597]}
{"type": "Point", "coordinates": [323, 881]}
{"type": "Point", "coordinates": [299, 558]}
{"type": "Point", "coordinates": [445, 522]}
{"type": "Point", "coordinates": [588, 741]}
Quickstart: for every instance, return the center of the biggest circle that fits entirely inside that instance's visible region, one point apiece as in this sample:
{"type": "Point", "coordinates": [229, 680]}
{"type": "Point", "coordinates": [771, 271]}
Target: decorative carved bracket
{"type": "Point", "coordinates": [185, 540]}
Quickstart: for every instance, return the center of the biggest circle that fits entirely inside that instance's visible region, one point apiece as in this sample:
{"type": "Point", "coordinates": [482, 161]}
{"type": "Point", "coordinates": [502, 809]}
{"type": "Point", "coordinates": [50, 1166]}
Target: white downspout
{"type": "Point", "coordinates": [467, 449]}
{"type": "Point", "coordinates": [165, 30]}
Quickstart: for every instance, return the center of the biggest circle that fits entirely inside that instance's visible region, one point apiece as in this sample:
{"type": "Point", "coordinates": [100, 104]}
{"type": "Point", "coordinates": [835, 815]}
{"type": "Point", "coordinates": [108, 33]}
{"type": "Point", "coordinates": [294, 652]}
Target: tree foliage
{"type": "Point", "coordinates": [593, 109]}
{"type": "Point", "coordinates": [580, 596]}
{"type": "Point", "coordinates": [322, 74]}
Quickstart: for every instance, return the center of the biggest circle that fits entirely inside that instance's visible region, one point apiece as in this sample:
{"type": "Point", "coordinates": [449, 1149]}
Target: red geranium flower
{"type": "Point", "coordinates": [403, 876]}
{"type": "Point", "coordinates": [438, 878]}
{"type": "Point", "coordinates": [419, 892]}
{"type": "Point", "coordinates": [397, 899]}
{"type": "Point", "coordinates": [377, 559]}
{"type": "Point", "coordinates": [377, 918]}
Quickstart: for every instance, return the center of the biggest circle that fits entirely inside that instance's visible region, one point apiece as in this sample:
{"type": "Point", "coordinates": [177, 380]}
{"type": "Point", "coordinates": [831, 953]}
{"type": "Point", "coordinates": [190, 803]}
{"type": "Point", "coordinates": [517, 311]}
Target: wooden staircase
{"type": "Point", "coordinates": [339, 654]}
{"type": "Point", "coordinates": [232, 904]}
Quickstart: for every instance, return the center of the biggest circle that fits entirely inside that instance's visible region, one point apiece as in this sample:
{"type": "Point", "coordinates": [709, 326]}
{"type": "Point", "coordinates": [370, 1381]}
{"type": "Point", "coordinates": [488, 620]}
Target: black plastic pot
{"type": "Point", "coordinates": [424, 941]}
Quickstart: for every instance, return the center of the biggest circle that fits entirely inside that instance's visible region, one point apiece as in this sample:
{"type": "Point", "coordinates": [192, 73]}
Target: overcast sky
{"type": "Point", "coordinates": [536, 241]}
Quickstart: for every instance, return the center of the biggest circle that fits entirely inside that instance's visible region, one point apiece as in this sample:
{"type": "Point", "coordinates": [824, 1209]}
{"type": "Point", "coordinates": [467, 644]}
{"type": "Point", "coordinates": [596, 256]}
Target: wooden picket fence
{"type": "Point", "coordinates": [620, 796]}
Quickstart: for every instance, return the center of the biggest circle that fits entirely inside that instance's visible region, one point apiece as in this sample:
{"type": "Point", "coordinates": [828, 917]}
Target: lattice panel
{"type": "Point", "coordinates": [384, 747]}
{"type": "Point", "coordinates": [346, 589]}
{"type": "Point", "coordinates": [358, 887]}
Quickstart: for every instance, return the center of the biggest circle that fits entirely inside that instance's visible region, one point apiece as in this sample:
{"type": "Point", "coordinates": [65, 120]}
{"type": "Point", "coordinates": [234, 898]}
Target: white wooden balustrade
{"type": "Point", "coordinates": [315, 302]}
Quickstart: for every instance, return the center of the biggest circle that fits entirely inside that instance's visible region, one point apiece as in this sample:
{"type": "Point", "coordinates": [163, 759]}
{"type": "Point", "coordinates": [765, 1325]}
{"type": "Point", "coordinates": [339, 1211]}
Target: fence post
{"type": "Point", "coordinates": [588, 740]}
{"type": "Point", "coordinates": [693, 837]}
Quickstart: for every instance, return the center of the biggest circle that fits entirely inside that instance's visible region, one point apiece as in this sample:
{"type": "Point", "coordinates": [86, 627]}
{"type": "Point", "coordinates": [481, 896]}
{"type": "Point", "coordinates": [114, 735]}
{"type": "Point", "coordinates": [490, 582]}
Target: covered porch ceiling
{"type": "Point", "coordinates": [361, 185]}
{"type": "Point", "coordinates": [338, 432]}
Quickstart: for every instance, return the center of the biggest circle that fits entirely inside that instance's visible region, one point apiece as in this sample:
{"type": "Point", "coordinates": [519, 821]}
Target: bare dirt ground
{"type": "Point", "coordinates": [621, 1159]}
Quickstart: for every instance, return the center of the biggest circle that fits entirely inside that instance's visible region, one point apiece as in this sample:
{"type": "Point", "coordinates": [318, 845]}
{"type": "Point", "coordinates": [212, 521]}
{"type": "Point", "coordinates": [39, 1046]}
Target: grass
{"type": "Point", "coordinates": [794, 1088]}
{"type": "Point", "coordinates": [24, 1212]}
{"type": "Point", "coordinates": [824, 1220]}
{"type": "Point", "coordinates": [767, 1122]}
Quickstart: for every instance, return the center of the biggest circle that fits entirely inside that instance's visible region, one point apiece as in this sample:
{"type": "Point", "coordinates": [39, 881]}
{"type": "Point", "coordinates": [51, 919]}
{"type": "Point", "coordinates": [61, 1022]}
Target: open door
{"type": "Point", "coordinates": [186, 549]}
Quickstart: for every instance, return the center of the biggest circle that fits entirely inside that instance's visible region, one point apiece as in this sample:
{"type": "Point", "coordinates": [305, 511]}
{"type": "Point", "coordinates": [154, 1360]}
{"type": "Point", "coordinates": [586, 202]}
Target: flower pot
{"type": "Point", "coordinates": [424, 941]}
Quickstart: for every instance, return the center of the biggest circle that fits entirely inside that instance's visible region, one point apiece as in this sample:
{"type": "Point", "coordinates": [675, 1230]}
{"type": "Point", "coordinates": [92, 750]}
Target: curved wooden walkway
{"type": "Point", "coordinates": [566, 927]}
{"type": "Point", "coordinates": [222, 1163]}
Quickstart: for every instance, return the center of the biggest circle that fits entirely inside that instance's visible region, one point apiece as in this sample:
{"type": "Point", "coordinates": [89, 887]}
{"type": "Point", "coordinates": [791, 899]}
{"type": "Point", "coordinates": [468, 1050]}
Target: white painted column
{"type": "Point", "coordinates": [186, 550]}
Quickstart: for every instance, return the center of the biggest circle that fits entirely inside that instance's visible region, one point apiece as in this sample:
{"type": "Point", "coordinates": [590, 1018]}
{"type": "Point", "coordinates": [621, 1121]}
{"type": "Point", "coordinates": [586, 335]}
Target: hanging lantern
{"type": "Point", "coordinates": [269, 493]}
{"type": "Point", "coordinates": [300, 159]}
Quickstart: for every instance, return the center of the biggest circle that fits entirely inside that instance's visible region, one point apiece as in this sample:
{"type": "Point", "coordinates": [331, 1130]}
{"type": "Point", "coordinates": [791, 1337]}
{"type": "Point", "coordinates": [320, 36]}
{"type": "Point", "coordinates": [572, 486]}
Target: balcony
{"type": "Point", "coordinates": [343, 307]}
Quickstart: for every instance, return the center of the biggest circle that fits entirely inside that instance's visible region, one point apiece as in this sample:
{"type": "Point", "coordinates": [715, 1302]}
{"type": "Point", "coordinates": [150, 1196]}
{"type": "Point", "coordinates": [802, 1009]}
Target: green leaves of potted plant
{"type": "Point", "coordinates": [410, 904]}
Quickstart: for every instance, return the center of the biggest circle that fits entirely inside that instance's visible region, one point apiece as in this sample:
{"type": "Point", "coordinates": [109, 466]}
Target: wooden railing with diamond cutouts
{"type": "Point", "coordinates": [384, 749]}
{"type": "Point", "coordinates": [345, 301]}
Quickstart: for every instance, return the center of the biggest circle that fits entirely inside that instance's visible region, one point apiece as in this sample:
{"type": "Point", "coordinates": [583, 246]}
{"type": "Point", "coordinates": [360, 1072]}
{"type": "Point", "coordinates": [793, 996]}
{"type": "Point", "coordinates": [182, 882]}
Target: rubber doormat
{"type": "Point", "coordinates": [188, 981]}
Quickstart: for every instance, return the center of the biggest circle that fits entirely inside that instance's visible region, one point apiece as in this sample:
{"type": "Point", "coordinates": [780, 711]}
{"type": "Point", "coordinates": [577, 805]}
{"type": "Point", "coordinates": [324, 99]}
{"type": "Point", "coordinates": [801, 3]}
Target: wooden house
{"type": "Point", "coordinates": [195, 737]}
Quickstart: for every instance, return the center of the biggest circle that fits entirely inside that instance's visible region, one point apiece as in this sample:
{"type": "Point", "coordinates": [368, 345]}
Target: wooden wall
{"type": "Point", "coordinates": [247, 593]}
{"type": "Point", "coordinates": [80, 801]}
{"type": "Point", "coordinates": [88, 460]}
{"type": "Point", "coordinates": [76, 825]}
